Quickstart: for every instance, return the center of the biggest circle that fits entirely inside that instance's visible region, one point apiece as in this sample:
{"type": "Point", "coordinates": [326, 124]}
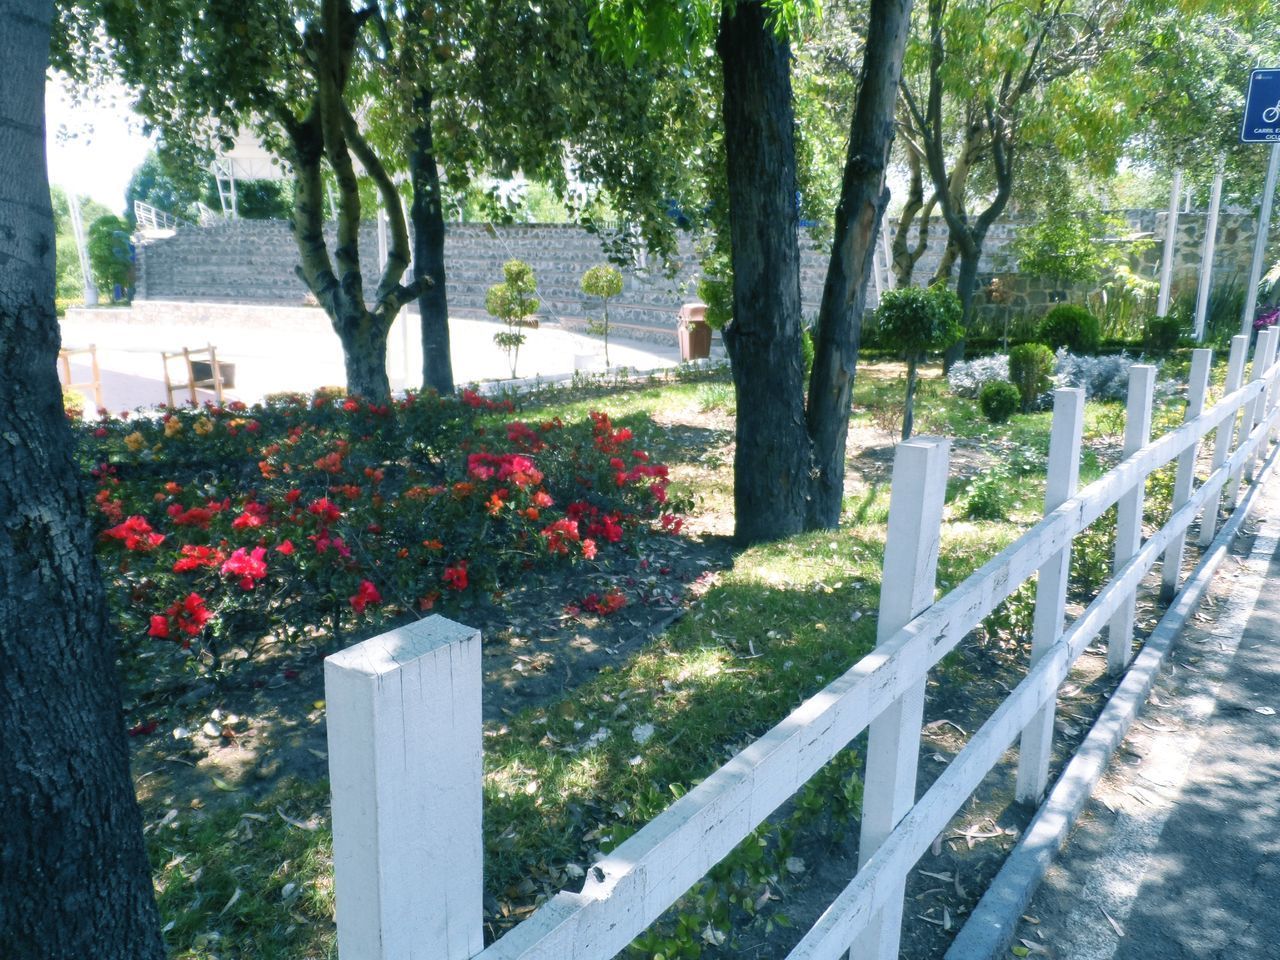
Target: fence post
{"type": "Point", "coordinates": [405, 773]}
{"type": "Point", "coordinates": [1197, 387]}
{"type": "Point", "coordinates": [1222, 437]}
{"type": "Point", "coordinates": [908, 581]}
{"type": "Point", "coordinates": [1137, 433]}
{"type": "Point", "coordinates": [1051, 587]}
{"type": "Point", "coordinates": [1263, 401]}
{"type": "Point", "coordinates": [1248, 416]}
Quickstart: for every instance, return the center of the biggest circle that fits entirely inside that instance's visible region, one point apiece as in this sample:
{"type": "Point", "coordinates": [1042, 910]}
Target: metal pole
{"type": "Point", "coordinates": [1170, 240]}
{"type": "Point", "coordinates": [82, 247]}
{"type": "Point", "coordinates": [1206, 258]}
{"type": "Point", "coordinates": [1260, 241]}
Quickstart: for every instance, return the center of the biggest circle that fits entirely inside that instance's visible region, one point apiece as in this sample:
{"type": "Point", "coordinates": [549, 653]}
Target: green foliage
{"type": "Point", "coordinates": [1161, 334]}
{"type": "Point", "coordinates": [1068, 243]}
{"type": "Point", "coordinates": [999, 400]}
{"type": "Point", "coordinates": [1030, 367]}
{"type": "Point", "coordinates": [1070, 326]}
{"type": "Point", "coordinates": [915, 320]}
{"type": "Point", "coordinates": [513, 302]}
{"type": "Point", "coordinates": [110, 254]}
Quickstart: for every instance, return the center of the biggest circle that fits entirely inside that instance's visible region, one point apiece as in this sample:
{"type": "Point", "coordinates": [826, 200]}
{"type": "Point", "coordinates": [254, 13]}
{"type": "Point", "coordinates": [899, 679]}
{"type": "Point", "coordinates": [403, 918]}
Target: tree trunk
{"type": "Point", "coordinates": [966, 290]}
{"type": "Point", "coordinates": [364, 352]}
{"type": "Point", "coordinates": [862, 201]}
{"type": "Point", "coordinates": [74, 877]}
{"type": "Point", "coordinates": [772, 462]}
{"type": "Point", "coordinates": [909, 407]}
{"type": "Point", "coordinates": [427, 215]}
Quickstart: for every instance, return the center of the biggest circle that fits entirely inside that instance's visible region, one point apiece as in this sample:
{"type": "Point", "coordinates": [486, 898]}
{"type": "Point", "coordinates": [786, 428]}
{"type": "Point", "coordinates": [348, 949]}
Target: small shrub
{"type": "Point", "coordinates": [1101, 378]}
{"type": "Point", "coordinates": [989, 496]}
{"type": "Point", "coordinates": [999, 400]}
{"type": "Point", "coordinates": [1070, 326]}
{"type": "Point", "coordinates": [968, 377]}
{"type": "Point", "coordinates": [1030, 367]}
{"type": "Point", "coordinates": [1161, 334]}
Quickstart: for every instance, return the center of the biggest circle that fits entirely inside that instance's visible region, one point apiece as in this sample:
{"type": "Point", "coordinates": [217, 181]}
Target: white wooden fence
{"type": "Point", "coordinates": [404, 710]}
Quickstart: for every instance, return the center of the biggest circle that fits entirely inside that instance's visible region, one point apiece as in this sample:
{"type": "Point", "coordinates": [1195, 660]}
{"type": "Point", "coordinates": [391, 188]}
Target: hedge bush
{"type": "Point", "coordinates": [999, 400]}
{"type": "Point", "coordinates": [1070, 326]}
{"type": "Point", "coordinates": [1030, 368]}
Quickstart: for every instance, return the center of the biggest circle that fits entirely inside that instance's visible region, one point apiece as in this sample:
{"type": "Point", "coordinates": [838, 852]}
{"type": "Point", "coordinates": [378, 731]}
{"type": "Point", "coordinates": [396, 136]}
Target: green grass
{"type": "Point", "coordinates": [568, 781]}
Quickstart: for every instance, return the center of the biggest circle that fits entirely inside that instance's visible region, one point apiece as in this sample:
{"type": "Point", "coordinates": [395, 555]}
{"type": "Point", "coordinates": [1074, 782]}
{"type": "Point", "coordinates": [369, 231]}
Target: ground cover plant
{"type": "Point", "coordinates": [244, 867]}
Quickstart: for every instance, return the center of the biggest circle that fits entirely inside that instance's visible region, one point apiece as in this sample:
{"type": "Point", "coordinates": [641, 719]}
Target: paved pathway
{"type": "Point", "coordinates": [270, 360]}
{"type": "Point", "coordinates": [1177, 857]}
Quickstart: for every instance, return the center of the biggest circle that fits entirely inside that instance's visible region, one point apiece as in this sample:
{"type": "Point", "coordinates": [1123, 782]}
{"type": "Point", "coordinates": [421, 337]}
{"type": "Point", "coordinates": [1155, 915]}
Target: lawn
{"type": "Point", "coordinates": [595, 718]}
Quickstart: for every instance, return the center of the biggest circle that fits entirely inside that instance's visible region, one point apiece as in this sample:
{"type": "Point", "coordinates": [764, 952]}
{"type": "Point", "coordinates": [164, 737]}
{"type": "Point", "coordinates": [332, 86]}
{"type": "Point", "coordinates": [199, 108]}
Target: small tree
{"type": "Point", "coordinates": [513, 302]}
{"type": "Point", "coordinates": [604, 282]}
{"type": "Point", "coordinates": [913, 321]}
{"type": "Point", "coordinates": [110, 254]}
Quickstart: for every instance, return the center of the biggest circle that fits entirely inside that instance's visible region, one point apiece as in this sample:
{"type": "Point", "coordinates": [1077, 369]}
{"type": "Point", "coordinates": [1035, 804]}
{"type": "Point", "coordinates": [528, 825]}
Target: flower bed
{"type": "Point", "coordinates": [222, 527]}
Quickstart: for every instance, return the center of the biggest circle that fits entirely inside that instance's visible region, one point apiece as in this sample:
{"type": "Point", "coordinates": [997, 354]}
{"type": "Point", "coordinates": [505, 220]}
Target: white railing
{"type": "Point", "coordinates": [404, 711]}
{"type": "Point", "coordinates": [153, 218]}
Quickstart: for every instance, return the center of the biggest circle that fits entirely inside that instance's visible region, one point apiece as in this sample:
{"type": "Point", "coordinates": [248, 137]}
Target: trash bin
{"type": "Point", "coordinates": [693, 332]}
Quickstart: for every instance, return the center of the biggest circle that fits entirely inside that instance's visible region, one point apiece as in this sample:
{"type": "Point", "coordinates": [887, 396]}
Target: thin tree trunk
{"type": "Point", "coordinates": [772, 461]}
{"type": "Point", "coordinates": [909, 407]}
{"type": "Point", "coordinates": [74, 877]}
{"type": "Point", "coordinates": [966, 290]}
{"type": "Point", "coordinates": [862, 201]}
{"type": "Point", "coordinates": [428, 248]}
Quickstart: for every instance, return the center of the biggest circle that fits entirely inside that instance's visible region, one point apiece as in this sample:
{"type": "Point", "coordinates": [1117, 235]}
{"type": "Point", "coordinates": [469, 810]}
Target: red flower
{"type": "Point", "coordinates": [194, 557]}
{"type": "Point", "coordinates": [195, 517]}
{"type": "Point", "coordinates": [249, 567]}
{"type": "Point", "coordinates": [285, 547]}
{"type": "Point", "coordinates": [159, 626]}
{"type": "Point", "coordinates": [365, 594]}
{"type": "Point", "coordinates": [325, 509]}
{"type": "Point", "coordinates": [455, 577]}
{"type": "Point", "coordinates": [136, 534]}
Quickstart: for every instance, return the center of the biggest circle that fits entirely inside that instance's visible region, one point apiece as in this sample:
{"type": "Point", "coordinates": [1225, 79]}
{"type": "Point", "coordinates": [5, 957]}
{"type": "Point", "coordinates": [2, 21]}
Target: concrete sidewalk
{"type": "Point", "coordinates": [270, 359]}
{"type": "Point", "coordinates": [1177, 856]}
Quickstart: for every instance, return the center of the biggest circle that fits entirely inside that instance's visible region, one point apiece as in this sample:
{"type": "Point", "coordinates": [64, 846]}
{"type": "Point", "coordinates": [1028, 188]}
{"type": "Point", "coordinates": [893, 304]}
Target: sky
{"type": "Point", "coordinates": [93, 147]}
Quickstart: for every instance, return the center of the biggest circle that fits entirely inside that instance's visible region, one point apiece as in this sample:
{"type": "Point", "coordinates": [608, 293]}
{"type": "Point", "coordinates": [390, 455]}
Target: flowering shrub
{"type": "Point", "coordinates": [220, 527]}
{"type": "Point", "coordinates": [1266, 317]}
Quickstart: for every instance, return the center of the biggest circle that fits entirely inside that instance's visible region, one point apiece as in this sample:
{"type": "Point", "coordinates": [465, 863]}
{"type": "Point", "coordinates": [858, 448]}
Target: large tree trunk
{"type": "Point", "coordinates": [862, 201]}
{"type": "Point", "coordinates": [772, 463]}
{"type": "Point", "coordinates": [74, 878]}
{"type": "Point", "coordinates": [428, 249]}
{"type": "Point", "coordinates": [364, 353]}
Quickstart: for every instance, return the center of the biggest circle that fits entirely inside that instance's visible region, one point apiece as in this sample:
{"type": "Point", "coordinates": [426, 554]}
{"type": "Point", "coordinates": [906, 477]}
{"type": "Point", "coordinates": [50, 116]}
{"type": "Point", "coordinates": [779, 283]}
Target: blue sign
{"type": "Point", "coordinates": [1262, 108]}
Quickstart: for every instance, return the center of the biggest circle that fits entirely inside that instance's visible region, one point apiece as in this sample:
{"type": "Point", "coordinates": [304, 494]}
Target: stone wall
{"type": "Point", "coordinates": [254, 261]}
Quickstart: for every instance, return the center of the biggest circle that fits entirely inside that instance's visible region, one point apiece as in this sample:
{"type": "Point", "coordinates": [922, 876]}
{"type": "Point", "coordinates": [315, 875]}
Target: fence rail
{"type": "Point", "coordinates": [629, 889]}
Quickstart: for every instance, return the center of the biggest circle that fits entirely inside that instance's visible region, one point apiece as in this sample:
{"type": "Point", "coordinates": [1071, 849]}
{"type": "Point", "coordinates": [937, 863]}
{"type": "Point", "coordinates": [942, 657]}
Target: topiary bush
{"type": "Point", "coordinates": [1161, 334]}
{"type": "Point", "coordinates": [999, 400]}
{"type": "Point", "coordinates": [1030, 367]}
{"type": "Point", "coordinates": [604, 282]}
{"type": "Point", "coordinates": [913, 321]}
{"type": "Point", "coordinates": [1075, 328]}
